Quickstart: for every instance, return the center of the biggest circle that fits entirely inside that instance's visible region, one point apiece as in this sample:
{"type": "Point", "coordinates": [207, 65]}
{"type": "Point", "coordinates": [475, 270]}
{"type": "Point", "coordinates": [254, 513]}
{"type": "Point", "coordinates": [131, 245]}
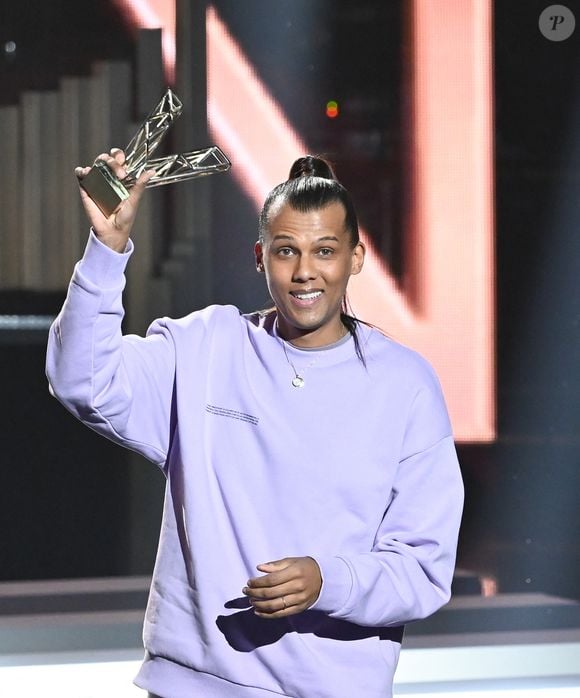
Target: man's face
{"type": "Point", "coordinates": [308, 259]}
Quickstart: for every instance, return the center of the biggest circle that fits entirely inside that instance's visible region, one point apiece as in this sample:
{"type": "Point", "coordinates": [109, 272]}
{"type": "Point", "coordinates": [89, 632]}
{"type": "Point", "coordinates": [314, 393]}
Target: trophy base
{"type": "Point", "coordinates": [104, 188]}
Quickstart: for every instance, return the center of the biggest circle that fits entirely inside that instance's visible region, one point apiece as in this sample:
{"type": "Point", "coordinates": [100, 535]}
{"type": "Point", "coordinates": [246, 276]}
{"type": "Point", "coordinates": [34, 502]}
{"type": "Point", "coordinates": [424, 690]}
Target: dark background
{"type": "Point", "coordinates": [63, 500]}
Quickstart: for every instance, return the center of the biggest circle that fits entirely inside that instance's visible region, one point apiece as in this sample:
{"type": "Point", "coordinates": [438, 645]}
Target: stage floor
{"type": "Point", "coordinates": [82, 639]}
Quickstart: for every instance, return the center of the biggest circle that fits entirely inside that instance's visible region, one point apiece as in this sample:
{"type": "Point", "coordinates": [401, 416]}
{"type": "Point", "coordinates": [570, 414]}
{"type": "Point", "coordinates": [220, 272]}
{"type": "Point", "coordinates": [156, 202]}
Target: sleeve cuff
{"type": "Point", "coordinates": [101, 265]}
{"type": "Point", "coordinates": [336, 584]}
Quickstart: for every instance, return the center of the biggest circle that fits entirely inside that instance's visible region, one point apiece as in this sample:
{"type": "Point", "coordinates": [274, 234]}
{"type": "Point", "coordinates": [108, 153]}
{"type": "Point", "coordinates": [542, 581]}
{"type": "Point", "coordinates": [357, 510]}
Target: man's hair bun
{"type": "Point", "coordinates": [311, 186]}
{"type": "Point", "coordinates": [311, 166]}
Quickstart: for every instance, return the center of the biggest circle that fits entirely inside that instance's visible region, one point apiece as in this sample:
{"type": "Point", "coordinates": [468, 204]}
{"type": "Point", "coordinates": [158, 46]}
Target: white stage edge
{"type": "Point", "coordinates": [504, 671]}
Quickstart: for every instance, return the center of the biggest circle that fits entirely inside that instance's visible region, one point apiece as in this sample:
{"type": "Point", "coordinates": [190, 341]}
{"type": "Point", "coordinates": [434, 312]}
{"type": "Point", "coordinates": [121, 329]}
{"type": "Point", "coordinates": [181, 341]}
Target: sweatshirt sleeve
{"type": "Point", "coordinates": [407, 575]}
{"type": "Point", "coordinates": [120, 386]}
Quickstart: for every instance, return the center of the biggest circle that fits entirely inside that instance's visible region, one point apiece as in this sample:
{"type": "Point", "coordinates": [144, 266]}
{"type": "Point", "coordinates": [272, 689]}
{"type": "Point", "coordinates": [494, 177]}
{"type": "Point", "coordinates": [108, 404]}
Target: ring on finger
{"type": "Point", "coordinates": [284, 602]}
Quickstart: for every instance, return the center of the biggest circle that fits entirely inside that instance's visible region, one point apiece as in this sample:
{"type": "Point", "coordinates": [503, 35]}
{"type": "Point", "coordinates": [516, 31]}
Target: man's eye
{"type": "Point", "coordinates": [285, 251]}
{"type": "Point", "coordinates": [326, 251]}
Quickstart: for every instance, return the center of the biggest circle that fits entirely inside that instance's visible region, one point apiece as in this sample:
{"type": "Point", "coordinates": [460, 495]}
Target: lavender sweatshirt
{"type": "Point", "coordinates": [356, 469]}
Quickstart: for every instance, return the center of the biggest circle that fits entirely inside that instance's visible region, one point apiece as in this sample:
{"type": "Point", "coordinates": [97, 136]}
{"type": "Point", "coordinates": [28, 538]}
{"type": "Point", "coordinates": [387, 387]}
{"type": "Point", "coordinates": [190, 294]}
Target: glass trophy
{"type": "Point", "coordinates": [107, 191]}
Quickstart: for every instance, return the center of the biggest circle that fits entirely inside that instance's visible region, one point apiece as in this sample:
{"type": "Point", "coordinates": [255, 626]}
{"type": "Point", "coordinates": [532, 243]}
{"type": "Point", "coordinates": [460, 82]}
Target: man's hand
{"type": "Point", "coordinates": [289, 586]}
{"type": "Point", "coordinates": [115, 229]}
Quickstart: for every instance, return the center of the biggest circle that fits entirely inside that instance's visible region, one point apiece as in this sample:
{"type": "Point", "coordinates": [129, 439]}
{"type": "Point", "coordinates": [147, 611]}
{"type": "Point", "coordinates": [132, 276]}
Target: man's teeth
{"type": "Point", "coordinates": [308, 296]}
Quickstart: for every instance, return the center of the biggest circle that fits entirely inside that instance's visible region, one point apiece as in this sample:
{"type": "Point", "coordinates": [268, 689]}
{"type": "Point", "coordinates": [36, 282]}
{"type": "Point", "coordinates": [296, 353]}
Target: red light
{"type": "Point", "coordinates": [332, 109]}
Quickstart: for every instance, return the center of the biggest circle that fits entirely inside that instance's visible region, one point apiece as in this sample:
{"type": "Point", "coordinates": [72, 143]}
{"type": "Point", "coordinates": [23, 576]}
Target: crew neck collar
{"type": "Point", "coordinates": [329, 354]}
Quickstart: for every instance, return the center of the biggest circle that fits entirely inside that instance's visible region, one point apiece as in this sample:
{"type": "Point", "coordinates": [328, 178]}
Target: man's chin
{"type": "Point", "coordinates": [299, 325]}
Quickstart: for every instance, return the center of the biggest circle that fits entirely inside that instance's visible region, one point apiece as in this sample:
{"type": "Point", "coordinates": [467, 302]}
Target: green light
{"type": "Point", "coordinates": [332, 109]}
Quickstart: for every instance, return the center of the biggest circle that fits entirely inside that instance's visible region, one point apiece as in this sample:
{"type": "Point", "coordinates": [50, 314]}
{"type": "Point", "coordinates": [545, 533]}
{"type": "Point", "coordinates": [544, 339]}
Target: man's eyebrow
{"type": "Point", "coordinates": [323, 238]}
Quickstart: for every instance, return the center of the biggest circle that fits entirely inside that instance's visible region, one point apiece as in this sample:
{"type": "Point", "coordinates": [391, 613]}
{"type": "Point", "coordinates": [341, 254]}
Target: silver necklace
{"type": "Point", "coordinates": [298, 380]}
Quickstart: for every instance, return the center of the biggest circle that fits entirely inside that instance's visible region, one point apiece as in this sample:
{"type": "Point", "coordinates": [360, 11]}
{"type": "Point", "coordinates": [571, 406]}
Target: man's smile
{"type": "Point", "coordinates": [305, 298]}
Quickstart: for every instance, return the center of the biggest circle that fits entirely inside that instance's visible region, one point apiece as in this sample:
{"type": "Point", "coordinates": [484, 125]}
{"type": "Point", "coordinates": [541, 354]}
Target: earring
{"type": "Point", "coordinates": [260, 266]}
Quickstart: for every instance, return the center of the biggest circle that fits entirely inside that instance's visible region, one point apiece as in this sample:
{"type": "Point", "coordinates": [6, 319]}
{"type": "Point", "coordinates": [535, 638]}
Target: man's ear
{"type": "Point", "coordinates": [358, 258]}
{"type": "Point", "coordinates": [259, 254]}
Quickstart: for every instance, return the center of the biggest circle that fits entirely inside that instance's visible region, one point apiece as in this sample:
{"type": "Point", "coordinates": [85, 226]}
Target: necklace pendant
{"type": "Point", "coordinates": [298, 381]}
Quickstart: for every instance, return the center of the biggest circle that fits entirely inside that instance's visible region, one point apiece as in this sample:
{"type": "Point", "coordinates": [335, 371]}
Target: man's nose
{"type": "Point", "coordinates": [305, 269]}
